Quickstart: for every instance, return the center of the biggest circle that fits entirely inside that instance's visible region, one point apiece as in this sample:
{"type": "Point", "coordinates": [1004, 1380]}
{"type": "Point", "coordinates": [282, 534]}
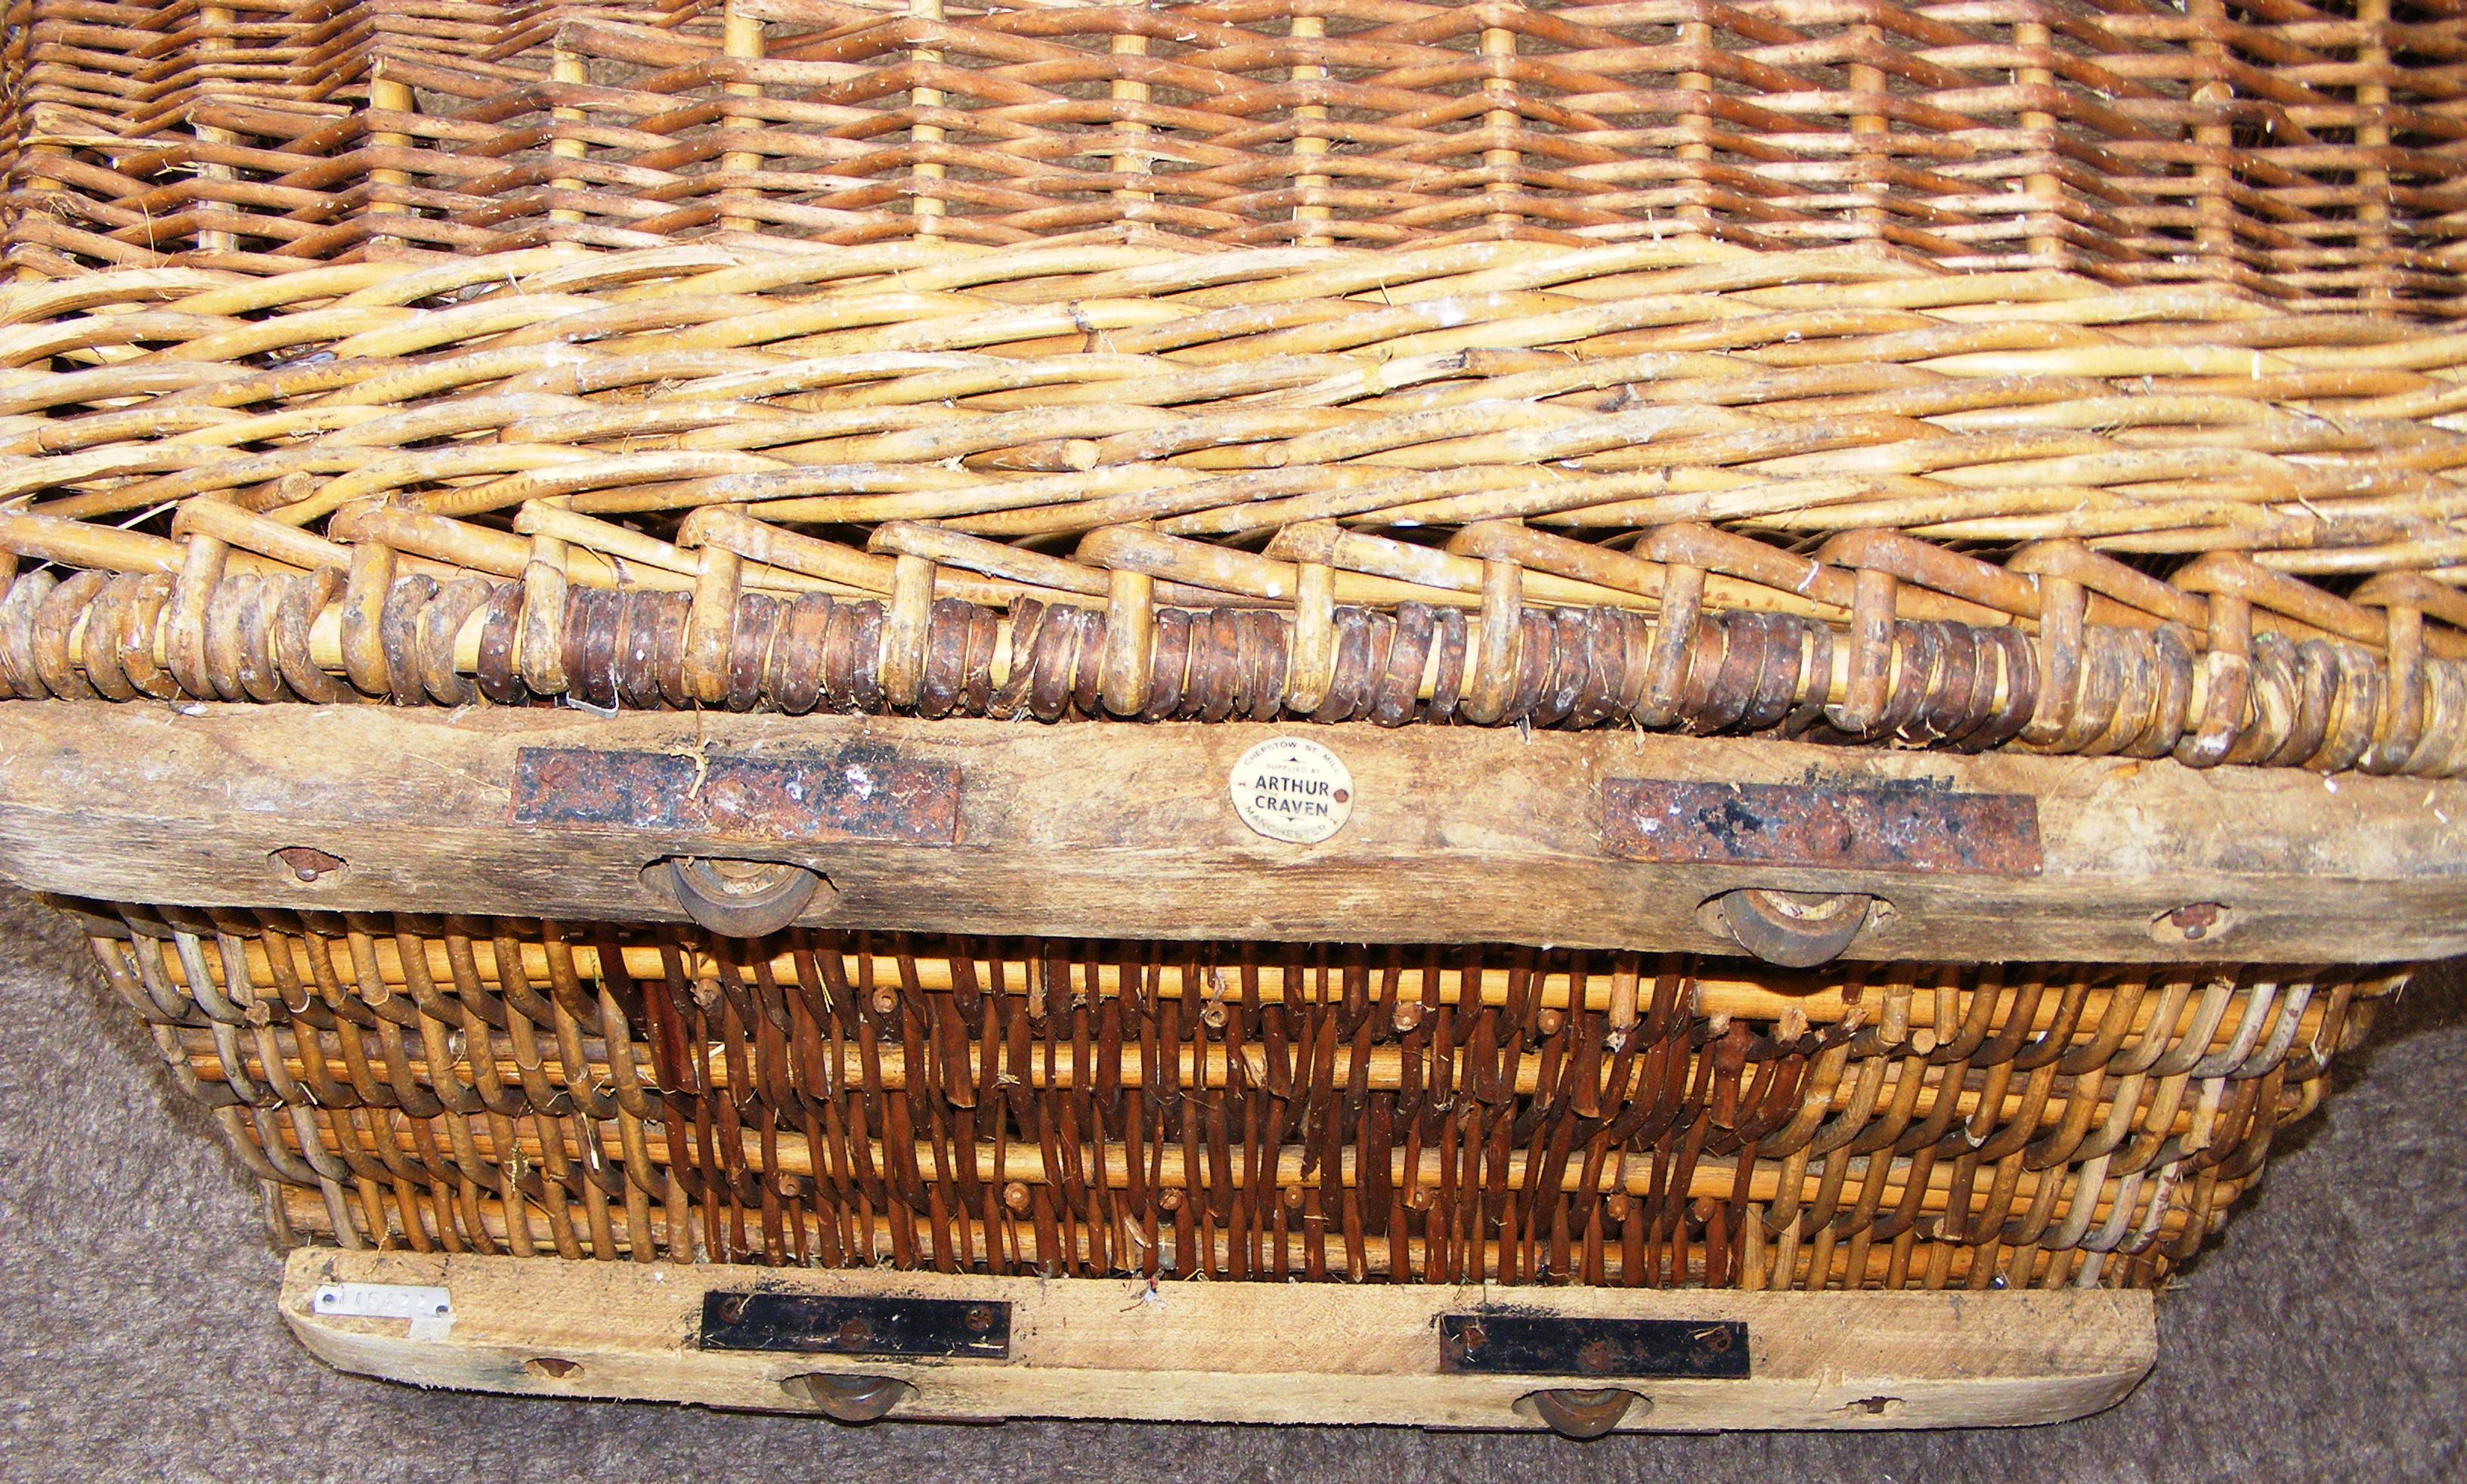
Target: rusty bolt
{"type": "Point", "coordinates": [885, 999]}
{"type": "Point", "coordinates": [855, 1332]}
{"type": "Point", "coordinates": [2192, 923]}
{"type": "Point", "coordinates": [979, 1318]}
{"type": "Point", "coordinates": [1549, 1022]}
{"type": "Point", "coordinates": [1015, 1196]}
{"type": "Point", "coordinates": [1471, 1336]}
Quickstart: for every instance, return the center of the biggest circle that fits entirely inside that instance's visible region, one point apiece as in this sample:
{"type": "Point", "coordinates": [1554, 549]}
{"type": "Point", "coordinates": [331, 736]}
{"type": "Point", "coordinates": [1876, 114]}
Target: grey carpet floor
{"type": "Point", "coordinates": [2325, 1337]}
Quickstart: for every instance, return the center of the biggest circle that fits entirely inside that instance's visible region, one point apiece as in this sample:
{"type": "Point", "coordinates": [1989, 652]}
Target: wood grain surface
{"type": "Point", "coordinates": [1239, 1352]}
{"type": "Point", "coordinates": [1101, 830]}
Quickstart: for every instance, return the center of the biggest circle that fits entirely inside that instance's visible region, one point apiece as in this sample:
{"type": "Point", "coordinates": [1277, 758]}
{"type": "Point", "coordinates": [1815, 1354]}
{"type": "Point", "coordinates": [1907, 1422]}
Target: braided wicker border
{"type": "Point", "coordinates": [1667, 484]}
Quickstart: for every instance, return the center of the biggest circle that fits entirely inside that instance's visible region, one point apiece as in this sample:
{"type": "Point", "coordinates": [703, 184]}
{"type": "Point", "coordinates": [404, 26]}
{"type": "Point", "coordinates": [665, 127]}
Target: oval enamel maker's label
{"type": "Point", "coordinates": [1293, 789]}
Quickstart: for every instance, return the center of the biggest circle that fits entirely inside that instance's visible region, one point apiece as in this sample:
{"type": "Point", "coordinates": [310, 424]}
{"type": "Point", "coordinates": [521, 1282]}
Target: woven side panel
{"type": "Point", "coordinates": [1239, 1112]}
{"type": "Point", "coordinates": [2301, 152]}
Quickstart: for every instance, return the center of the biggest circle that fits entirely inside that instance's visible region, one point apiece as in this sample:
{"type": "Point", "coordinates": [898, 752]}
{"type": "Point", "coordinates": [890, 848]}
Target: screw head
{"type": "Point", "coordinates": [2192, 923]}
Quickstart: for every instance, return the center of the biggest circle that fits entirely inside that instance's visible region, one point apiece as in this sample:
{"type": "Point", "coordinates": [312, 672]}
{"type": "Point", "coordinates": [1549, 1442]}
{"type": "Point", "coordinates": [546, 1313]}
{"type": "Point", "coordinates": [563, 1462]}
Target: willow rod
{"type": "Point", "coordinates": [305, 1212]}
{"type": "Point", "coordinates": [1166, 1167]}
{"type": "Point", "coordinates": [793, 1147]}
{"type": "Point", "coordinates": [1714, 995]}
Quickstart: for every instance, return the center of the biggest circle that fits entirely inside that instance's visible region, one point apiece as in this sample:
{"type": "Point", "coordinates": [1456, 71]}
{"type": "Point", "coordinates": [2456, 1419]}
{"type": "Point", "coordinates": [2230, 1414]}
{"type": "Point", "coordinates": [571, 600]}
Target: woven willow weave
{"type": "Point", "coordinates": [2294, 150]}
{"type": "Point", "coordinates": [1037, 483]}
{"type": "Point", "coordinates": [1442, 1114]}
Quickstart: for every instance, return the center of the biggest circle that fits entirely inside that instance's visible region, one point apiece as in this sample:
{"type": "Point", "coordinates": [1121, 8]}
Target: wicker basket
{"type": "Point", "coordinates": [715, 437]}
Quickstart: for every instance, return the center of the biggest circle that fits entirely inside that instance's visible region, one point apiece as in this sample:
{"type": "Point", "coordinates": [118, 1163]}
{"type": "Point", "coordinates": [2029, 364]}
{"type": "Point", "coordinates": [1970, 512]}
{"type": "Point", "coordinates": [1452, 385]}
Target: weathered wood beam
{"type": "Point", "coordinates": [1454, 835]}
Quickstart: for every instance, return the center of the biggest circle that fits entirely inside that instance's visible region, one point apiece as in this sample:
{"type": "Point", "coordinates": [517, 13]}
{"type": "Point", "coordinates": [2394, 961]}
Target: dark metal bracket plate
{"type": "Point", "coordinates": [854, 794]}
{"type": "Point", "coordinates": [1520, 1344]}
{"type": "Point", "coordinates": [822, 1324]}
{"type": "Point", "coordinates": [1826, 827]}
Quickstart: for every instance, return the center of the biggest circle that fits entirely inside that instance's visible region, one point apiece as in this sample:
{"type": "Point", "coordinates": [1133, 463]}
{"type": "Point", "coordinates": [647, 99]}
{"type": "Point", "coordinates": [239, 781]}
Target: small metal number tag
{"type": "Point", "coordinates": [430, 1310]}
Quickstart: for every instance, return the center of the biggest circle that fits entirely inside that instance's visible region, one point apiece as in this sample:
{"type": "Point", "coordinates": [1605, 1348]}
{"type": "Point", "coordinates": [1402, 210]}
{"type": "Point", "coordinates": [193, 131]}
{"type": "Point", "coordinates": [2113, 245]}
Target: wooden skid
{"type": "Point", "coordinates": [1237, 1352]}
{"type": "Point", "coordinates": [1098, 830]}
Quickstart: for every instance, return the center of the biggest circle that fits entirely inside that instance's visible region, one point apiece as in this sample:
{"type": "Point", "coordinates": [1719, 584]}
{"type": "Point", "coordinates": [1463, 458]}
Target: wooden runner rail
{"type": "Point", "coordinates": [1220, 1351]}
